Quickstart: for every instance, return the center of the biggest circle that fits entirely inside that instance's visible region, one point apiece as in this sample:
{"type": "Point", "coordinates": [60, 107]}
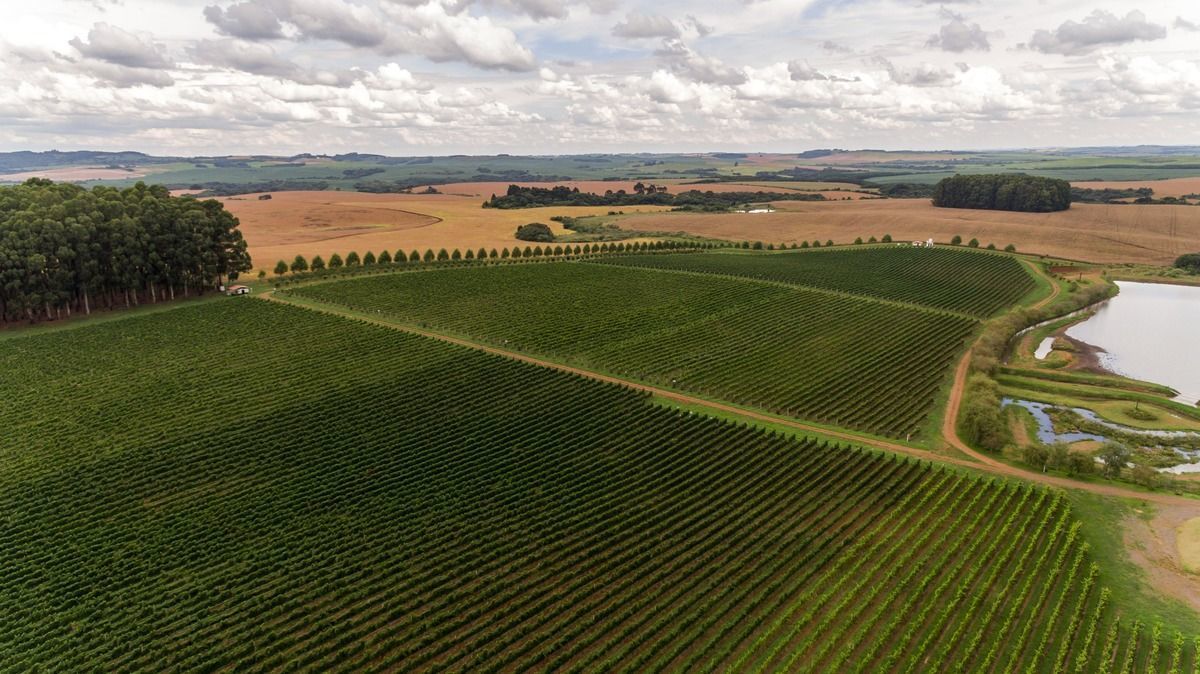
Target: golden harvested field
{"type": "Point", "coordinates": [1171, 187]}
{"type": "Point", "coordinates": [72, 174]}
{"type": "Point", "coordinates": [323, 223]}
{"type": "Point", "coordinates": [1095, 233]}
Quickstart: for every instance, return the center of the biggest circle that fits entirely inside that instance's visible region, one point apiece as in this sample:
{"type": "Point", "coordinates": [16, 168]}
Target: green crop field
{"type": "Point", "coordinates": [245, 486]}
{"type": "Point", "coordinates": [830, 358]}
{"type": "Point", "coordinates": [969, 282]}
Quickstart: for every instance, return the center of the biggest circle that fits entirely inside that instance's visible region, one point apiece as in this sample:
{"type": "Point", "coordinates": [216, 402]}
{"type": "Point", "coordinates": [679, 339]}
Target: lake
{"type": "Point", "coordinates": [1151, 331]}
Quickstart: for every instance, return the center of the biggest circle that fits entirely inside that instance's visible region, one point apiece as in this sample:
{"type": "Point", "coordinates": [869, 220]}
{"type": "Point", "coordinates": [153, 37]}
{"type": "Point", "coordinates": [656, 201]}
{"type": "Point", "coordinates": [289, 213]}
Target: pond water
{"type": "Point", "coordinates": [1047, 435]}
{"type": "Point", "coordinates": [1044, 348]}
{"type": "Point", "coordinates": [1149, 331]}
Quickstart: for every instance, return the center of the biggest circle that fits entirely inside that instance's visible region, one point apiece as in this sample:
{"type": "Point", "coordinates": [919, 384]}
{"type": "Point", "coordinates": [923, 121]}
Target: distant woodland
{"type": "Point", "coordinates": [519, 196]}
{"type": "Point", "coordinates": [1003, 192]}
{"type": "Point", "coordinates": [67, 249]}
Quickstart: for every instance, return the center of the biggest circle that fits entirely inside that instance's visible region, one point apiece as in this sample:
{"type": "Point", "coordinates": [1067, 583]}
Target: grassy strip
{"type": "Point", "coordinates": [1095, 393]}
{"type": "Point", "coordinates": [1092, 379]}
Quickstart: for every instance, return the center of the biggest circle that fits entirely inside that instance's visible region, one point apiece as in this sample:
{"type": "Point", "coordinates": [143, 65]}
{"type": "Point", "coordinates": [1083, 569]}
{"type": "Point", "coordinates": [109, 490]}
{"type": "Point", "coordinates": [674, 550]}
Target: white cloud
{"type": "Point", "coordinates": [921, 75]}
{"type": "Point", "coordinates": [248, 20]}
{"type": "Point", "coordinates": [958, 35]}
{"type": "Point", "coordinates": [434, 76]}
{"type": "Point", "coordinates": [109, 43]}
{"type": "Point", "coordinates": [685, 61]}
{"type": "Point", "coordinates": [1098, 29]}
{"type": "Point", "coordinates": [1175, 84]}
{"type": "Point", "coordinates": [638, 25]}
{"type": "Point", "coordinates": [433, 32]}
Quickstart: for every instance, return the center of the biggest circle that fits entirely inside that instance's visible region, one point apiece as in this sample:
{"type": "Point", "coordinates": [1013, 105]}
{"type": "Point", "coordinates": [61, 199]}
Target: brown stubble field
{"type": "Point", "coordinates": [1170, 187]}
{"type": "Point", "coordinates": [1094, 233]}
{"type": "Point", "coordinates": [322, 223]}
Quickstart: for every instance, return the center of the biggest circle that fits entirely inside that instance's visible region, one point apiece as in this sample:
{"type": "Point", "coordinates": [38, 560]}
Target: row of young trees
{"type": "Point", "coordinates": [1003, 192]}
{"type": "Point", "coordinates": [300, 264]}
{"type": "Point", "coordinates": [67, 249]}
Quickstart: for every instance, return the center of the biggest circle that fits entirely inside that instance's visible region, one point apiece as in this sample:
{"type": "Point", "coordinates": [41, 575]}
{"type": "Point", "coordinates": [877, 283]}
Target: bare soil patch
{"type": "Point", "coordinates": [1187, 538]}
{"type": "Point", "coordinates": [1095, 233]}
{"type": "Point", "coordinates": [1156, 547]}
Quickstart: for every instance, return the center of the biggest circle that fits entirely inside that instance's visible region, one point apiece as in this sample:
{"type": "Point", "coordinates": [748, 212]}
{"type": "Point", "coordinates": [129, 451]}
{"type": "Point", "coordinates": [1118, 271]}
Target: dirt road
{"type": "Point", "coordinates": [1150, 544]}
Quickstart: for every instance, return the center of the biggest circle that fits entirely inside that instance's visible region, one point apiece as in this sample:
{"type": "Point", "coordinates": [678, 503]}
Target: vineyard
{"type": "Point", "coordinates": [258, 501]}
{"type": "Point", "coordinates": [834, 359]}
{"type": "Point", "coordinates": [963, 281]}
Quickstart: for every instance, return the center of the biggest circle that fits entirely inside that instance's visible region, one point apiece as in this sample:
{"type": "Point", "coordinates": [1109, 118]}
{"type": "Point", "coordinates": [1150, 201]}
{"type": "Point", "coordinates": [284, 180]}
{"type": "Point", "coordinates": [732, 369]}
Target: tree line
{"type": "Point", "coordinates": [67, 249]}
{"type": "Point", "coordinates": [518, 196]}
{"type": "Point", "coordinates": [352, 260]}
{"type": "Point", "coordinates": [1003, 192]}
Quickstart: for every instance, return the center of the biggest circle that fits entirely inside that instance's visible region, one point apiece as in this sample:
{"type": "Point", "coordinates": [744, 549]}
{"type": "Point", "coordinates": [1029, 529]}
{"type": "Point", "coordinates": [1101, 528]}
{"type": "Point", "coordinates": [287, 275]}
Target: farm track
{"type": "Point", "coordinates": [977, 460]}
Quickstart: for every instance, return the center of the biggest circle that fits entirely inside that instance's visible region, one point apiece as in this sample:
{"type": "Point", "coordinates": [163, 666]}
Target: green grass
{"type": "Point", "coordinates": [243, 485]}
{"type": "Point", "coordinates": [1102, 519]}
{"type": "Point", "coordinates": [833, 359]}
{"type": "Point", "coordinates": [1020, 380]}
{"type": "Point", "coordinates": [99, 317]}
{"type": "Point", "coordinates": [1093, 379]}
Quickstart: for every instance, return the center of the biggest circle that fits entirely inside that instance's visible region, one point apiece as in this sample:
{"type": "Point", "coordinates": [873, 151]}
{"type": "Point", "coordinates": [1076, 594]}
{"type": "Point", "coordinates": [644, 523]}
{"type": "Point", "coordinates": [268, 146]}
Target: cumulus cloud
{"type": "Point", "coordinates": [441, 30]}
{"type": "Point", "coordinates": [248, 20]}
{"type": "Point", "coordinates": [1098, 29]}
{"type": "Point", "coordinates": [685, 61]}
{"type": "Point", "coordinates": [958, 36]}
{"type": "Point", "coordinates": [803, 71]}
{"type": "Point", "coordinates": [122, 76]}
{"type": "Point", "coordinates": [273, 75]}
{"type": "Point", "coordinates": [354, 25]}
{"type": "Point", "coordinates": [1184, 24]}
{"type": "Point", "coordinates": [921, 75]}
{"type": "Point", "coordinates": [114, 45]}
{"type": "Point", "coordinates": [248, 57]}
{"type": "Point", "coordinates": [638, 25]}
{"type": "Point", "coordinates": [702, 29]}
{"type": "Point", "coordinates": [1145, 77]}
{"type": "Point", "coordinates": [261, 59]}
{"type": "Point", "coordinates": [536, 9]}
{"type": "Point", "coordinates": [440, 35]}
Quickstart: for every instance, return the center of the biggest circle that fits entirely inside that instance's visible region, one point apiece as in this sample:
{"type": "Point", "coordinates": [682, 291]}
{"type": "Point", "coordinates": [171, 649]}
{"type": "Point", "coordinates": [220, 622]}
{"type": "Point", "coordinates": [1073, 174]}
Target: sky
{"type": "Point", "coordinates": [436, 77]}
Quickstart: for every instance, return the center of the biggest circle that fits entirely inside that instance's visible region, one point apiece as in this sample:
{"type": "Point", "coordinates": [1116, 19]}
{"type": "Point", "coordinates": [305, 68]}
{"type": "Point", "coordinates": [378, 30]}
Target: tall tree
{"type": "Point", "coordinates": [64, 248]}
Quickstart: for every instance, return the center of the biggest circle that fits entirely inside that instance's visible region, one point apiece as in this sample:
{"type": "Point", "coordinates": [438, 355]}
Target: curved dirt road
{"type": "Point", "coordinates": [950, 433]}
{"type": "Point", "coordinates": [1151, 545]}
